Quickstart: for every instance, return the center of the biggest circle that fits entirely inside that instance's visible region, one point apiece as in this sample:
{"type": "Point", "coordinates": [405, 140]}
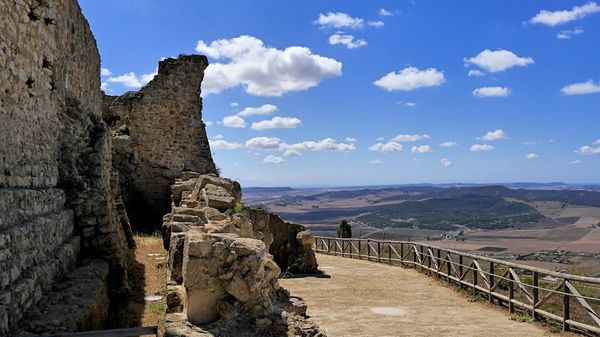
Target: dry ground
{"type": "Point", "coordinates": [347, 304]}
{"type": "Point", "coordinates": [151, 254]}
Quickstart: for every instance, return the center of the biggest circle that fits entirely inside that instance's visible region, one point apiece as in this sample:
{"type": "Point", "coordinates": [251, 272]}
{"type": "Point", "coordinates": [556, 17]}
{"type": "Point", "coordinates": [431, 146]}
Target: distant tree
{"type": "Point", "coordinates": [344, 230]}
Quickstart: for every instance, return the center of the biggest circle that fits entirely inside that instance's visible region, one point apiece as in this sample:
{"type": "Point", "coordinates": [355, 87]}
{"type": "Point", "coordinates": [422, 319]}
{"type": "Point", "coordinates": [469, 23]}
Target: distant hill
{"type": "Point", "coordinates": [266, 189]}
{"type": "Point", "coordinates": [442, 206]}
{"type": "Point", "coordinates": [472, 210]}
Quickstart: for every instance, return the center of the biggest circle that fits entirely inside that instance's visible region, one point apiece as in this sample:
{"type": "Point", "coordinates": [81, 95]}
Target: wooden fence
{"type": "Point", "coordinates": [128, 332]}
{"type": "Point", "coordinates": [570, 300]}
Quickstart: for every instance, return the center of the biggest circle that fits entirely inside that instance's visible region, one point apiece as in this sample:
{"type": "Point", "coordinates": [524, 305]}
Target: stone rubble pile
{"type": "Point", "coordinates": [222, 279]}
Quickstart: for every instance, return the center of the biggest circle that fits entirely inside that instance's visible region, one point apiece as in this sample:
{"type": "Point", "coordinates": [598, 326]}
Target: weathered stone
{"type": "Point", "coordinates": [160, 134]}
{"type": "Point", "coordinates": [175, 298]}
{"type": "Point", "coordinates": [291, 244]}
{"type": "Point", "coordinates": [57, 192]}
{"type": "Point", "coordinates": [218, 197]}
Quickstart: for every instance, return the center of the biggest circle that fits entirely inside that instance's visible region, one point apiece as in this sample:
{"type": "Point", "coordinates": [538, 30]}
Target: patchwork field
{"type": "Point", "coordinates": [565, 233]}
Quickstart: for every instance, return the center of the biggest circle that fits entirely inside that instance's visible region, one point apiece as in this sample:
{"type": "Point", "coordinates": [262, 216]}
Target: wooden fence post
{"type": "Point", "coordinates": [438, 264]}
{"type": "Point", "coordinates": [414, 249]}
{"type": "Point", "coordinates": [566, 305]}
{"type": "Point", "coordinates": [359, 249]}
{"type": "Point", "coordinates": [491, 297]}
{"type": "Point", "coordinates": [511, 293]}
{"type": "Point", "coordinates": [448, 266]}
{"type": "Point", "coordinates": [535, 294]}
{"type": "Point", "coordinates": [379, 251]}
{"type": "Point", "coordinates": [401, 253]}
{"type": "Point", "coordinates": [460, 271]}
{"type": "Point", "coordinates": [389, 252]}
{"type": "Point", "coordinates": [421, 263]}
{"type": "Point", "coordinates": [328, 245]}
{"type": "Point", "coordinates": [369, 249]}
{"type": "Point", "coordinates": [475, 274]}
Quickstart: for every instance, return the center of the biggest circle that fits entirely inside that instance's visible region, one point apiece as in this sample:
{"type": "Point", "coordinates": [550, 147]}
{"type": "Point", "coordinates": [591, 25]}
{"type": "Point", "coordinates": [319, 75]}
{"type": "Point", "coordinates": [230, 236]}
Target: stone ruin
{"type": "Point", "coordinates": [157, 134]}
{"type": "Point", "coordinates": [221, 275]}
{"type": "Point", "coordinates": [79, 168]}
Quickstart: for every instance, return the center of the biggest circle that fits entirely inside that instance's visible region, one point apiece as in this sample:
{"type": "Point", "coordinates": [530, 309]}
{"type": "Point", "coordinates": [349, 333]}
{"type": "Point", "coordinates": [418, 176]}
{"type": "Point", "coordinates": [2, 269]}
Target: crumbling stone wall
{"type": "Point", "coordinates": [291, 245]}
{"type": "Point", "coordinates": [157, 134]}
{"type": "Point", "coordinates": [56, 200]}
{"type": "Point", "coordinates": [222, 279]}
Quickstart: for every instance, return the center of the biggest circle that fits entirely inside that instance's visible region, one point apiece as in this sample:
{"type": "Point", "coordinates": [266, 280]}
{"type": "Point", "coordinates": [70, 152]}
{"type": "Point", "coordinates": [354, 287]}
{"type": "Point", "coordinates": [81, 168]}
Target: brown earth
{"type": "Point", "coordinates": [151, 254]}
{"type": "Point", "coordinates": [369, 299]}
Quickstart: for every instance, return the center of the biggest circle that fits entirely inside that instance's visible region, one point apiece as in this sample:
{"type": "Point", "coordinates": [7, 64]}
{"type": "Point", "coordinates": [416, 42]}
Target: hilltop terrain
{"type": "Point", "coordinates": [553, 225]}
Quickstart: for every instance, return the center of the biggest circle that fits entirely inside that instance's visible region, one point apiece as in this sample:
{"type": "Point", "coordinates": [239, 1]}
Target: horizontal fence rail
{"type": "Point", "coordinates": [128, 332]}
{"type": "Point", "coordinates": [573, 301]}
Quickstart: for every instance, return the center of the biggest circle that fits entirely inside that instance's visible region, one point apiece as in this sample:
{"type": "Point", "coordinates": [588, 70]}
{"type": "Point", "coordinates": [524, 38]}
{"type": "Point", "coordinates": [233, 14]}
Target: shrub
{"type": "Point", "coordinates": [344, 230]}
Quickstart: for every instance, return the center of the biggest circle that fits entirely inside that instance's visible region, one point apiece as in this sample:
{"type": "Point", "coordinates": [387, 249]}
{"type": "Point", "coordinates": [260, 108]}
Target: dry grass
{"type": "Point", "coordinates": [151, 254]}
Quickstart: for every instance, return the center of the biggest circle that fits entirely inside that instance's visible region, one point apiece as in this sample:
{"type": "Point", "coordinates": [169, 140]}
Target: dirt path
{"type": "Point", "coordinates": [369, 299]}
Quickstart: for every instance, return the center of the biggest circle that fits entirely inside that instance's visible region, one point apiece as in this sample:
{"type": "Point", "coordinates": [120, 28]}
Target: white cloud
{"type": "Point", "coordinates": [379, 139]}
{"type": "Point", "coordinates": [219, 136]}
{"type": "Point", "coordinates": [531, 156]}
{"type": "Point", "coordinates": [409, 138]}
{"type": "Point", "coordinates": [271, 159]}
{"type": "Point", "coordinates": [411, 78]}
{"type": "Point", "coordinates": [387, 147]}
{"type": "Point", "coordinates": [597, 142]}
{"type": "Point", "coordinates": [383, 12]}
{"type": "Point", "coordinates": [531, 142]}
{"type": "Point", "coordinates": [376, 162]}
{"type": "Point", "coordinates": [338, 20]}
{"type": "Point", "coordinates": [277, 123]}
{"type": "Point", "coordinates": [417, 160]}
{"type": "Point", "coordinates": [494, 135]}
{"type": "Point", "coordinates": [221, 144]}
{"type": "Point", "coordinates": [475, 72]}
{"type": "Point", "coordinates": [421, 149]}
{"type": "Point", "coordinates": [346, 40]}
{"type": "Point", "coordinates": [376, 24]}
{"type": "Point", "coordinates": [103, 85]}
{"type": "Point", "coordinates": [131, 80]}
{"type": "Point", "coordinates": [208, 123]}
{"type": "Point", "coordinates": [498, 60]}
{"type": "Point", "coordinates": [327, 144]}
{"type": "Point", "coordinates": [350, 140]}
{"type": "Point", "coordinates": [568, 34]}
{"type": "Point", "coordinates": [491, 92]}
{"type": "Point", "coordinates": [448, 144]}
{"type": "Point", "coordinates": [234, 104]}
{"type": "Point", "coordinates": [574, 162]}
{"type": "Point", "coordinates": [105, 72]}
{"type": "Point", "coordinates": [263, 143]}
{"type": "Point", "coordinates": [291, 152]}
{"type": "Point", "coordinates": [481, 148]}
{"type": "Point", "coordinates": [582, 88]}
{"type": "Point", "coordinates": [263, 70]}
{"type": "Point", "coordinates": [264, 109]}
{"type": "Point", "coordinates": [555, 18]}
{"type": "Point", "coordinates": [408, 104]}
{"type": "Point", "coordinates": [586, 150]}
{"type": "Point", "coordinates": [234, 122]}
{"type": "Point", "coordinates": [446, 162]}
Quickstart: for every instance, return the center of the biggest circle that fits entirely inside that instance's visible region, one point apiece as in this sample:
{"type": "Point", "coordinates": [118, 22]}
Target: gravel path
{"type": "Point", "coordinates": [369, 299]}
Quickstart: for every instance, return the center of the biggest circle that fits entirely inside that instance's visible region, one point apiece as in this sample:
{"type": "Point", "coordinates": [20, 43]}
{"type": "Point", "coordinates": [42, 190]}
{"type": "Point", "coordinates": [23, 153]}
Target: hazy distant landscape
{"type": "Point", "coordinates": [553, 225]}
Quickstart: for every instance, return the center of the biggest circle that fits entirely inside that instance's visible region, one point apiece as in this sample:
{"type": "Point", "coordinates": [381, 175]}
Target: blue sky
{"type": "Point", "coordinates": [366, 92]}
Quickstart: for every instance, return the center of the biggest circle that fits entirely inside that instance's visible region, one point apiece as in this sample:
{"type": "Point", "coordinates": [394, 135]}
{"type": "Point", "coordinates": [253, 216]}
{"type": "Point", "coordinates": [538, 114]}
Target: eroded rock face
{"type": "Point", "coordinates": [157, 134]}
{"type": "Point", "coordinates": [291, 244]}
{"type": "Point", "coordinates": [57, 202]}
{"type": "Point", "coordinates": [220, 265]}
{"type": "Point", "coordinates": [223, 281]}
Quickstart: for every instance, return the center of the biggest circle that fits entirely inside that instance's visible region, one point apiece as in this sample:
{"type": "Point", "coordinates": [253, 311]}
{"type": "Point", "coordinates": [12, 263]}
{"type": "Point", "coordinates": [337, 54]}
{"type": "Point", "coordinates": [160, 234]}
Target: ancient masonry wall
{"type": "Point", "coordinates": [157, 134]}
{"type": "Point", "coordinates": [222, 279]}
{"type": "Point", "coordinates": [56, 201]}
